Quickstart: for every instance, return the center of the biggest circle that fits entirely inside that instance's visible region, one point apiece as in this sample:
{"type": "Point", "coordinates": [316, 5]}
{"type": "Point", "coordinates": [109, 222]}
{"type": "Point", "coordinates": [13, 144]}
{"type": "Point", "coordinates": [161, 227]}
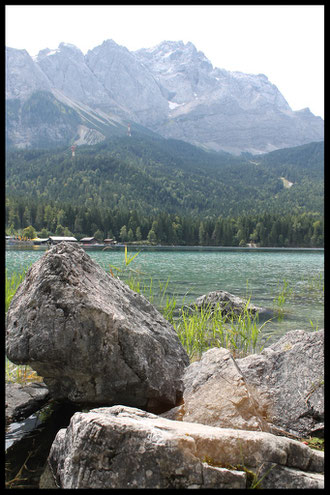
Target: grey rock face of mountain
{"type": "Point", "coordinates": [53, 99]}
{"type": "Point", "coordinates": [224, 110]}
{"type": "Point", "coordinates": [68, 72]}
{"type": "Point", "coordinates": [172, 89]}
{"type": "Point", "coordinates": [130, 84]}
{"type": "Point", "coordinates": [23, 76]}
{"type": "Point", "coordinates": [183, 73]}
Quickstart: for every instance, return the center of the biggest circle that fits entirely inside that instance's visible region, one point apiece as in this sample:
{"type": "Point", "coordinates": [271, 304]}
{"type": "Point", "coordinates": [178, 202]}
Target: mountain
{"type": "Point", "coordinates": [63, 96]}
{"type": "Point", "coordinates": [151, 175]}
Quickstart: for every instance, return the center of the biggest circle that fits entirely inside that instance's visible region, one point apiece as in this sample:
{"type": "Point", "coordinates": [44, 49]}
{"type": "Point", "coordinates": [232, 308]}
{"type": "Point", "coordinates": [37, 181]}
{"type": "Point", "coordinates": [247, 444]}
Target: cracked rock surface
{"type": "Point", "coordinates": [290, 376]}
{"type": "Point", "coordinates": [124, 447]}
{"type": "Point", "coordinates": [92, 339]}
{"type": "Point", "coordinates": [279, 389]}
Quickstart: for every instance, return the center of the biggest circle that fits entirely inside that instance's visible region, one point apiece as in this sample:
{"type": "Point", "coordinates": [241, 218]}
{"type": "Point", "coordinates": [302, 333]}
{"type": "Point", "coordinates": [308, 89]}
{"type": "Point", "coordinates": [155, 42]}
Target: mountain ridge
{"type": "Point", "coordinates": [171, 89]}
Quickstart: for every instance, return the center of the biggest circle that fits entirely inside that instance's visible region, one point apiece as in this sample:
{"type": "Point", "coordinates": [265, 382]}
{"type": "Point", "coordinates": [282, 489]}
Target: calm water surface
{"type": "Point", "coordinates": [259, 273]}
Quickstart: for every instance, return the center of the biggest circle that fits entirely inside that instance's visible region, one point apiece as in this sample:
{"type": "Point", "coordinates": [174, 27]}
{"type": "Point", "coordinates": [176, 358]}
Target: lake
{"type": "Point", "coordinates": [259, 273]}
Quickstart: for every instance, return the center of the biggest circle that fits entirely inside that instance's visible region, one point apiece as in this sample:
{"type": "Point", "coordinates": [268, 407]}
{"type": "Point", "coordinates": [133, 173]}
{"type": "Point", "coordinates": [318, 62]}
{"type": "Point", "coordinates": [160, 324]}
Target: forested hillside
{"type": "Point", "coordinates": [144, 177]}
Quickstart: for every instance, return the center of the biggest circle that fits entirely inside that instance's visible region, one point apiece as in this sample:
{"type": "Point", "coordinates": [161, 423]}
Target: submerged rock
{"type": "Point", "coordinates": [91, 338]}
{"type": "Point", "coordinates": [123, 447]}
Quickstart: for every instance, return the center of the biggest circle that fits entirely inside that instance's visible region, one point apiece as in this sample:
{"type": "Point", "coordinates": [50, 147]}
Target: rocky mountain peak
{"type": "Point", "coordinates": [64, 50]}
{"type": "Point", "coordinates": [181, 71]}
{"type": "Point", "coordinates": [171, 53]}
{"type": "Point", "coordinates": [127, 81]}
{"type": "Point", "coordinates": [23, 76]}
{"type": "Point", "coordinates": [107, 49]}
{"type": "Point", "coordinates": [171, 88]}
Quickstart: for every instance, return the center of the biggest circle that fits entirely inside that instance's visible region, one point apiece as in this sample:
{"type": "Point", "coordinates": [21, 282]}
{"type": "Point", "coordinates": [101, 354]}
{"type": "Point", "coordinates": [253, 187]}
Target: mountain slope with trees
{"type": "Point", "coordinates": [134, 181]}
{"type": "Point", "coordinates": [150, 174]}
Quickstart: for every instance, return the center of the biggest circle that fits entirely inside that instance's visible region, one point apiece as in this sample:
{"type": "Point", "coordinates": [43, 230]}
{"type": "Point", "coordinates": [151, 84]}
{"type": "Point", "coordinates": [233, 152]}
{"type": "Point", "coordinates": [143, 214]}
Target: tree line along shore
{"type": "Point", "coordinates": [29, 219]}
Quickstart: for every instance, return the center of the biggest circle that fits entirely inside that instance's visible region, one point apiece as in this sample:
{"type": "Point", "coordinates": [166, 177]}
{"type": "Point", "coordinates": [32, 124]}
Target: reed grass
{"type": "Point", "coordinates": [11, 286]}
{"type": "Point", "coordinates": [200, 330]}
{"type": "Point", "coordinates": [284, 292]}
{"type": "Point", "coordinates": [16, 373]}
{"type": "Point", "coordinates": [314, 287]}
{"type": "Point", "coordinates": [311, 290]}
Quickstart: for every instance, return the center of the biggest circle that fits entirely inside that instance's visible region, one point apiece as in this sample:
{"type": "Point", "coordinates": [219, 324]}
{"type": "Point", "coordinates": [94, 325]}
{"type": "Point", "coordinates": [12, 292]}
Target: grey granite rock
{"type": "Point", "coordinates": [91, 338]}
{"type": "Point", "coordinates": [229, 304]}
{"type": "Point", "coordinates": [280, 390]}
{"type": "Point", "coordinates": [122, 447]}
{"type": "Point", "coordinates": [290, 374]}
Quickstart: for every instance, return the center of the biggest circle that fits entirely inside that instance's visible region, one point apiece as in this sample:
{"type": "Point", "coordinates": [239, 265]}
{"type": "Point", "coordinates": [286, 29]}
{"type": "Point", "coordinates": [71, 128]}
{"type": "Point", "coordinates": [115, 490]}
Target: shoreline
{"type": "Point", "coordinates": [118, 247]}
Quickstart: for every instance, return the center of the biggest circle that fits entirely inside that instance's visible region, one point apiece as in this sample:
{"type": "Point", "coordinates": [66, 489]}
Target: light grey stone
{"type": "Point", "coordinates": [123, 447]}
{"type": "Point", "coordinates": [228, 304]}
{"type": "Point", "coordinates": [282, 477]}
{"type": "Point", "coordinates": [216, 394]}
{"type": "Point", "coordinates": [280, 389]}
{"type": "Point", "coordinates": [290, 376]}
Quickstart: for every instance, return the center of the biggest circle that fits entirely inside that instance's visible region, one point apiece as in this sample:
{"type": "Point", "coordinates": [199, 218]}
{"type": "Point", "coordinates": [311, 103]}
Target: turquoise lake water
{"type": "Point", "coordinates": [259, 273]}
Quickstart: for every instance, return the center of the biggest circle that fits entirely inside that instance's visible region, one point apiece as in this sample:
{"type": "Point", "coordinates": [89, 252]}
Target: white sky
{"type": "Point", "coordinates": [284, 42]}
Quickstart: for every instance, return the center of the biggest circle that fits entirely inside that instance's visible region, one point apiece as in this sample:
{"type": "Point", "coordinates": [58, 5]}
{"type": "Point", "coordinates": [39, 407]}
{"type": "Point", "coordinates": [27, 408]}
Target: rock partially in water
{"type": "Point", "coordinates": [123, 447]}
{"type": "Point", "coordinates": [228, 304]}
{"type": "Point", "coordinates": [92, 339]}
{"type": "Point", "coordinates": [29, 441]}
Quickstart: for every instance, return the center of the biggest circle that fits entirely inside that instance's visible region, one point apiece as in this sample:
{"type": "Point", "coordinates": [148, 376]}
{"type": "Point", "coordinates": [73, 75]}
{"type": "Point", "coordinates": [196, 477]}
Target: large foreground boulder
{"type": "Point", "coordinates": [91, 338]}
{"type": "Point", "coordinates": [122, 447]}
{"type": "Point", "coordinates": [279, 390]}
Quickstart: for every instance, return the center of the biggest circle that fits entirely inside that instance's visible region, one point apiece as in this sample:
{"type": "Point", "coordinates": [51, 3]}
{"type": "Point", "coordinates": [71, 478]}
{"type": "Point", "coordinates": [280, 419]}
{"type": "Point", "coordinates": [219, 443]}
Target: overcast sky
{"type": "Point", "coordinates": [284, 42]}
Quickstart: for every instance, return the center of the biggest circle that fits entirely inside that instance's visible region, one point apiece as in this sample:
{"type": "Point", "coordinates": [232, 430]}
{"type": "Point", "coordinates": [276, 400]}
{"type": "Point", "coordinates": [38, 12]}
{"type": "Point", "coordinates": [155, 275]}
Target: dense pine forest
{"type": "Point", "coordinates": [143, 188]}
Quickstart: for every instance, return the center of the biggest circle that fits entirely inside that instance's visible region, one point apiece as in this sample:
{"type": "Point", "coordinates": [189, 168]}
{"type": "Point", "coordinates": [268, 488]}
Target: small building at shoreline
{"type": "Point", "coordinates": [89, 240]}
{"type": "Point", "coordinates": [56, 239]}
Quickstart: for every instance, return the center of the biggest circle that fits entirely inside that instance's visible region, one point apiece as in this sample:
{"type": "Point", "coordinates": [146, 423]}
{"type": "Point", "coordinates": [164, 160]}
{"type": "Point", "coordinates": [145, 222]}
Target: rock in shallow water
{"type": "Point", "coordinates": [229, 305]}
{"type": "Point", "coordinates": [91, 338]}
